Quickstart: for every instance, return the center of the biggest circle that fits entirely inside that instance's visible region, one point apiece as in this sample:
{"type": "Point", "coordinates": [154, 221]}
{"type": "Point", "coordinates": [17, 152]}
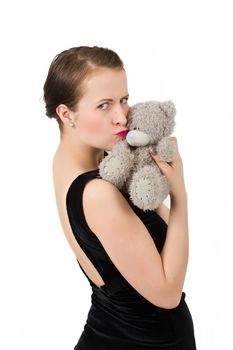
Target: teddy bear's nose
{"type": "Point", "coordinates": [137, 138]}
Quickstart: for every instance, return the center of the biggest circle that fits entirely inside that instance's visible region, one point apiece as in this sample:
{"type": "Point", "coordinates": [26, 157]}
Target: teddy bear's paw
{"type": "Point", "coordinates": [148, 188]}
{"type": "Point", "coordinates": [109, 169]}
{"type": "Point", "coordinates": [166, 149]}
{"type": "Point", "coordinates": [116, 169]}
{"type": "Point", "coordinates": [112, 166]}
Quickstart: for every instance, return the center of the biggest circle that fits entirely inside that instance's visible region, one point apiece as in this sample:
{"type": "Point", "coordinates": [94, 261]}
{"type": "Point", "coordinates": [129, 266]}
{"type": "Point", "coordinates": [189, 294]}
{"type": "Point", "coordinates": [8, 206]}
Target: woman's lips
{"type": "Point", "coordinates": [122, 133]}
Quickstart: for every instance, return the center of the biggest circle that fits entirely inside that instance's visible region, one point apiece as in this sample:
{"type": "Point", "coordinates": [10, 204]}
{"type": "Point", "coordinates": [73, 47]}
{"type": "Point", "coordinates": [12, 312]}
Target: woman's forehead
{"type": "Point", "coordinates": [106, 81]}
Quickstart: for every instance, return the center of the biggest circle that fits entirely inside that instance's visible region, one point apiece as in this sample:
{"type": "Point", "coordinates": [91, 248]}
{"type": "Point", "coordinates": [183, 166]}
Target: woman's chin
{"type": "Point", "coordinates": [108, 148]}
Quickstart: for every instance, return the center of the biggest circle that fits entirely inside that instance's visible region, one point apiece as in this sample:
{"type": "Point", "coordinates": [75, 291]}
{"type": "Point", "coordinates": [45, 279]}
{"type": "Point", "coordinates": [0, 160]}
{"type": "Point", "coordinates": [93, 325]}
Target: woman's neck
{"type": "Point", "coordinates": [85, 156]}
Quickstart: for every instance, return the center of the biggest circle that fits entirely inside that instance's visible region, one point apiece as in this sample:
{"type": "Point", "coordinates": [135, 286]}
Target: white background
{"type": "Point", "coordinates": [179, 50]}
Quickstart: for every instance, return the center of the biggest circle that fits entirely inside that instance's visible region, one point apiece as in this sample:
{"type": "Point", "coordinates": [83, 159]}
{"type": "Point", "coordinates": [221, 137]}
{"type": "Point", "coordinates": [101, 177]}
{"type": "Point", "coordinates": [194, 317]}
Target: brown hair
{"type": "Point", "coordinates": [67, 72]}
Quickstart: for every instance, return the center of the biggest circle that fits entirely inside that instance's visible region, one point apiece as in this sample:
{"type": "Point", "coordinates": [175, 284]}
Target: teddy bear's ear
{"type": "Point", "coordinates": [168, 120]}
{"type": "Point", "coordinates": [169, 108]}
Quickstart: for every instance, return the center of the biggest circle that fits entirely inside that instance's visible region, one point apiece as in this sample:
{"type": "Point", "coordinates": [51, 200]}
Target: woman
{"type": "Point", "coordinates": [135, 261]}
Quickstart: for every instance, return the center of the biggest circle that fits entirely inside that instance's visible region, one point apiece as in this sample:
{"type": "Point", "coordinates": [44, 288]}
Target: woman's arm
{"type": "Point", "coordinates": [175, 251]}
{"type": "Point", "coordinates": [163, 212]}
{"type": "Point", "coordinates": [157, 277]}
{"type": "Point", "coordinates": [174, 254]}
{"type": "Point", "coordinates": [130, 246]}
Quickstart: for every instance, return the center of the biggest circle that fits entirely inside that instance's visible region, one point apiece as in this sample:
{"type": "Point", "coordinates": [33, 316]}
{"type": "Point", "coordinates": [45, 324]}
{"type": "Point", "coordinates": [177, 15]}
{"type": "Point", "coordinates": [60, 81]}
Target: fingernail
{"type": "Point", "coordinates": [153, 151]}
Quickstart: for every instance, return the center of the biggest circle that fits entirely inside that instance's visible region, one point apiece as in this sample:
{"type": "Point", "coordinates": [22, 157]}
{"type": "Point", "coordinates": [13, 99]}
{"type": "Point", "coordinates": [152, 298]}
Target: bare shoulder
{"type": "Point", "coordinates": [102, 196]}
{"type": "Point", "coordinates": [108, 213]}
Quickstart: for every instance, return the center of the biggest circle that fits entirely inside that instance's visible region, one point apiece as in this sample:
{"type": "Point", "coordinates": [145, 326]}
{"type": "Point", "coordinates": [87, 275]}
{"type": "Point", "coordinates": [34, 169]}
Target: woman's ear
{"type": "Point", "coordinates": [64, 114]}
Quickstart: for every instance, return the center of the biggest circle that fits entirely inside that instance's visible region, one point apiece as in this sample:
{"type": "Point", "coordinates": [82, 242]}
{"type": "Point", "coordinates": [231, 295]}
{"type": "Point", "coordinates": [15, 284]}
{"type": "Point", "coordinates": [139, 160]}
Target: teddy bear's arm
{"type": "Point", "coordinates": [116, 166]}
{"type": "Point", "coordinates": [166, 149]}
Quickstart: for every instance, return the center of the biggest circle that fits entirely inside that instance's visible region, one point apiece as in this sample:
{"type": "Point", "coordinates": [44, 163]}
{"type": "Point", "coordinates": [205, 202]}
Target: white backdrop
{"type": "Point", "coordinates": [179, 50]}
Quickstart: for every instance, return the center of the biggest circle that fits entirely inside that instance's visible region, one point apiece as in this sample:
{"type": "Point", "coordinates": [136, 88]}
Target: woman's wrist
{"type": "Point", "coordinates": [179, 198]}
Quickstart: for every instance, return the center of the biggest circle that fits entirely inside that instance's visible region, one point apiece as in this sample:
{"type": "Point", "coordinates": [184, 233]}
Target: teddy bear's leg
{"type": "Point", "coordinates": [148, 187]}
{"type": "Point", "coordinates": [116, 166]}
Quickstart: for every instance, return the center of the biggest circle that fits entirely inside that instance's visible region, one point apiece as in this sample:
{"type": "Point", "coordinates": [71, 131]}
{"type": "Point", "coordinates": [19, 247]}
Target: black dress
{"type": "Point", "coordinates": [119, 317]}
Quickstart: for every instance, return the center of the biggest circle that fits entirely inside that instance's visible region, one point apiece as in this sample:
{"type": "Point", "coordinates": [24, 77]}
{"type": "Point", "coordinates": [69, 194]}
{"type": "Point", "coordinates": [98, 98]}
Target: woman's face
{"type": "Point", "coordinates": [103, 109]}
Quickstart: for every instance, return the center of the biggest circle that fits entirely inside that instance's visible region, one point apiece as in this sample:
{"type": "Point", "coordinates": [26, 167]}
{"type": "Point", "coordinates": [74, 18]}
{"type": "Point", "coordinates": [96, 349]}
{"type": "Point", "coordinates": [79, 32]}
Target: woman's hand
{"type": "Point", "coordinates": [173, 172]}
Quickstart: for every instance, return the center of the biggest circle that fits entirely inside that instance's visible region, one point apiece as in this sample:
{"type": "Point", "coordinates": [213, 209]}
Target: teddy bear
{"type": "Point", "coordinates": [129, 164]}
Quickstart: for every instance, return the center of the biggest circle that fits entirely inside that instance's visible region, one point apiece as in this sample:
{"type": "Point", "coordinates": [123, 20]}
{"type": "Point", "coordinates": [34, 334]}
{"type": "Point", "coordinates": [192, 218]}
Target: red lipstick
{"type": "Point", "coordinates": [122, 133]}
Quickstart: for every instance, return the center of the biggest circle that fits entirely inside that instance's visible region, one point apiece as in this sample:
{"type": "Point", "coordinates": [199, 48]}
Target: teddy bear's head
{"type": "Point", "coordinates": [153, 119]}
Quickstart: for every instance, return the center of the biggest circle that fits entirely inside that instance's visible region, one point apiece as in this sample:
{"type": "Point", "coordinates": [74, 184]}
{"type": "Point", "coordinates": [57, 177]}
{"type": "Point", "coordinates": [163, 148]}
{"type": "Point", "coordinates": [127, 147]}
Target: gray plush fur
{"type": "Point", "coordinates": [129, 165]}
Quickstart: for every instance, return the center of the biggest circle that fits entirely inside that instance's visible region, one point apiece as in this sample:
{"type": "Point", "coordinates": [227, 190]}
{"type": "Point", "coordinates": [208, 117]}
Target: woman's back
{"type": "Point", "coordinates": [63, 177]}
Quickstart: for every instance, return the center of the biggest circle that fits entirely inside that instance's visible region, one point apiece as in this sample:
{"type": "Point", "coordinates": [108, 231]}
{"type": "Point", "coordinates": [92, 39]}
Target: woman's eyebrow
{"type": "Point", "coordinates": [110, 99]}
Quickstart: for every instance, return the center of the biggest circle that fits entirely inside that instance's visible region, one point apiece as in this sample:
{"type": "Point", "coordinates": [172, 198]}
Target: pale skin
{"type": "Point", "coordinates": [157, 277]}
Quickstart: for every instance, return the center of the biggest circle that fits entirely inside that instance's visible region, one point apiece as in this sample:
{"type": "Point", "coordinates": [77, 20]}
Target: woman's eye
{"type": "Point", "coordinates": [125, 100]}
{"type": "Point", "coordinates": [103, 105]}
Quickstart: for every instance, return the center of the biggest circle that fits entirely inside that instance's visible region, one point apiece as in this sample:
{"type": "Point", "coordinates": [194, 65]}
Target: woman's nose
{"type": "Point", "coordinates": [120, 116]}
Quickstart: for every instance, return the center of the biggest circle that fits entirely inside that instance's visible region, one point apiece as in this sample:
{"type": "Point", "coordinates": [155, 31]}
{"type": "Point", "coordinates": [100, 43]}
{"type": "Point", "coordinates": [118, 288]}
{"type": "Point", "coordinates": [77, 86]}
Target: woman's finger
{"type": "Point", "coordinates": [163, 166]}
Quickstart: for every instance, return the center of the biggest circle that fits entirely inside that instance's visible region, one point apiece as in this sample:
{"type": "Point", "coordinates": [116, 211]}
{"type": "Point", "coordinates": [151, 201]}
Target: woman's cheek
{"type": "Point", "coordinates": [92, 126]}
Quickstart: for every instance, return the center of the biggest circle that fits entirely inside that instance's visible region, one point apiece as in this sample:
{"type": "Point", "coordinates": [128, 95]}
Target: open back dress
{"type": "Point", "coordinates": [119, 317]}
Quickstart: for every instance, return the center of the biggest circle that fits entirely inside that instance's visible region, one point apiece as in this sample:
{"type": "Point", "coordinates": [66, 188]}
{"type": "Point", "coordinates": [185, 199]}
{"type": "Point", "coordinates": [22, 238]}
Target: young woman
{"type": "Point", "coordinates": [135, 261]}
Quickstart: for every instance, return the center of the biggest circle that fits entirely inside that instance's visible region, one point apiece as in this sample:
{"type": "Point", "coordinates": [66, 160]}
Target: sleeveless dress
{"type": "Point", "coordinates": [119, 317]}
